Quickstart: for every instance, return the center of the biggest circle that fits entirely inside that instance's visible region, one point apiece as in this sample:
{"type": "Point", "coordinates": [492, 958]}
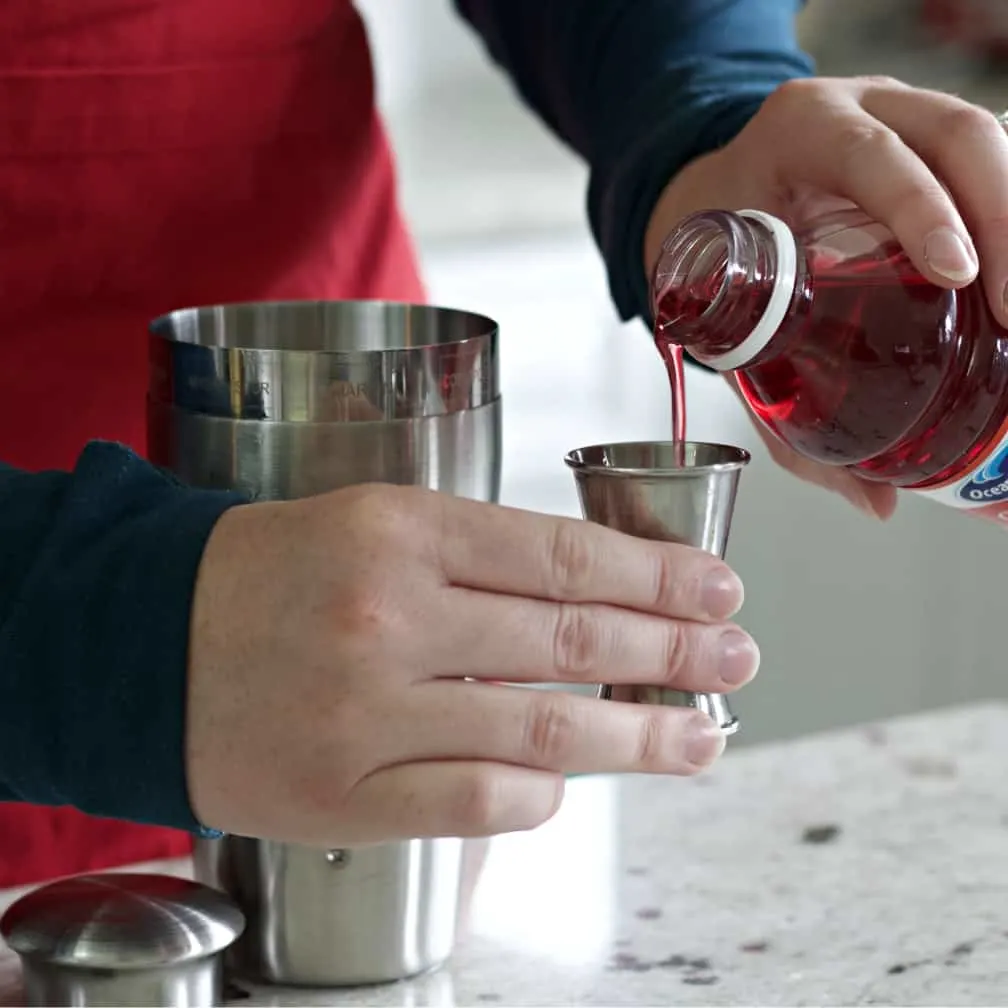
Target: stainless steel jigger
{"type": "Point", "coordinates": [673, 492]}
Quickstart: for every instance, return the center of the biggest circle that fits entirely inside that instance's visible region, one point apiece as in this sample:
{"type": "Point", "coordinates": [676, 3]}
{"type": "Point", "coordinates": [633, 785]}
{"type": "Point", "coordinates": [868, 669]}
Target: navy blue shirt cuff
{"type": "Point", "coordinates": [96, 582]}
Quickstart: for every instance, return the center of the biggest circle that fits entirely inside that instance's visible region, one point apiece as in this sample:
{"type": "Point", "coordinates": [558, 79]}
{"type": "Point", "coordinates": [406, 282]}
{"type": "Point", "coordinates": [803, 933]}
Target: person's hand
{"type": "Point", "coordinates": [930, 166]}
{"type": "Point", "coordinates": [344, 648]}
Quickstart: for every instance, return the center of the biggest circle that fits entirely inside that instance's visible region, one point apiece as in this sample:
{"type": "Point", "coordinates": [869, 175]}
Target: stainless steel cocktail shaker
{"type": "Point", "coordinates": [285, 400]}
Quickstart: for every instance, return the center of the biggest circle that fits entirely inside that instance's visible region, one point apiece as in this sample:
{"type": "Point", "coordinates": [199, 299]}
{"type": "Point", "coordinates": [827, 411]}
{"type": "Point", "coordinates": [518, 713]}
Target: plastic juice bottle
{"type": "Point", "coordinates": [844, 350]}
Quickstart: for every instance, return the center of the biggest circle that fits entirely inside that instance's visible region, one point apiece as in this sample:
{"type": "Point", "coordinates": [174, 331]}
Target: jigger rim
{"type": "Point", "coordinates": [614, 459]}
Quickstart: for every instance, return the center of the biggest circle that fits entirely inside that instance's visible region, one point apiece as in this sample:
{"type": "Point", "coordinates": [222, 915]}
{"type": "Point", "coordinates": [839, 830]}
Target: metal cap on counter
{"type": "Point", "coordinates": [122, 939]}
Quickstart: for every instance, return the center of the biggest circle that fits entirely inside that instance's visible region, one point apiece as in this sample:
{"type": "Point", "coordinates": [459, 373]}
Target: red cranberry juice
{"type": "Point", "coordinates": [678, 305]}
{"type": "Point", "coordinates": [875, 368]}
{"type": "Point", "coordinates": [672, 355]}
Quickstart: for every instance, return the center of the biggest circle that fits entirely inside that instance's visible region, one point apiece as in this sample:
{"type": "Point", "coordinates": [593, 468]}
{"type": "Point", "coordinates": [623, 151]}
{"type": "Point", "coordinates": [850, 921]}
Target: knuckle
{"type": "Point", "coordinates": [906, 198]}
{"type": "Point", "coordinates": [969, 124]}
{"type": "Point", "coordinates": [571, 559]}
{"type": "Point", "coordinates": [798, 92]}
{"type": "Point", "coordinates": [382, 538]}
{"type": "Point", "coordinates": [881, 82]}
{"type": "Point", "coordinates": [577, 642]}
{"type": "Point", "coordinates": [667, 583]}
{"type": "Point", "coordinates": [677, 577]}
{"type": "Point", "coordinates": [864, 139]}
{"type": "Point", "coordinates": [996, 230]}
{"type": "Point", "coordinates": [369, 607]}
{"type": "Point", "coordinates": [796, 100]}
{"type": "Point", "coordinates": [382, 511]}
{"type": "Point", "coordinates": [550, 731]}
{"type": "Point", "coordinates": [678, 652]}
{"type": "Point", "coordinates": [479, 802]}
{"type": "Point", "coordinates": [651, 740]}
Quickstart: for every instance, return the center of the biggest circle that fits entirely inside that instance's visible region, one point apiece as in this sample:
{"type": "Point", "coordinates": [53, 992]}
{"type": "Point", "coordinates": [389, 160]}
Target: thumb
{"type": "Point", "coordinates": [877, 500]}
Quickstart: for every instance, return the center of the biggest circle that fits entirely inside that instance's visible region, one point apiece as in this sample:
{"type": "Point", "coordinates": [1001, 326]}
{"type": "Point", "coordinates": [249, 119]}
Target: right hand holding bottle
{"type": "Point", "coordinates": [930, 166]}
{"type": "Point", "coordinates": [345, 652]}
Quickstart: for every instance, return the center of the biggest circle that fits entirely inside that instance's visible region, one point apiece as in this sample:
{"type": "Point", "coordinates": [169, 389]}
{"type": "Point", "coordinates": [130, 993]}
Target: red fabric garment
{"type": "Point", "coordinates": [979, 26]}
{"type": "Point", "coordinates": [156, 154]}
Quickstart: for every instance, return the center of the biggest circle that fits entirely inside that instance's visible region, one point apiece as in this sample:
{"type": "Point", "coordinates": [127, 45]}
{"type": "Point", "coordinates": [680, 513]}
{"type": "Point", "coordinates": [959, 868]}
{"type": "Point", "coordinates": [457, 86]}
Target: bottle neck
{"type": "Point", "coordinates": [723, 285]}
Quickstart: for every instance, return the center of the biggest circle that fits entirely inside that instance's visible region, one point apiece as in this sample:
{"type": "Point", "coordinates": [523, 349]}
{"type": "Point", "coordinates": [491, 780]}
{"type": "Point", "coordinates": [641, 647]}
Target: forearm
{"type": "Point", "coordinates": [97, 572]}
{"type": "Point", "coordinates": [640, 88]}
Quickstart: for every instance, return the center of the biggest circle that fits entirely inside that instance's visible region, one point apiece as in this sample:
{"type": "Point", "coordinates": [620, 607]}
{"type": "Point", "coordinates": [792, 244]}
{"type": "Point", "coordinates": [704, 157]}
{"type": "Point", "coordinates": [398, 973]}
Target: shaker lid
{"type": "Point", "coordinates": [121, 921]}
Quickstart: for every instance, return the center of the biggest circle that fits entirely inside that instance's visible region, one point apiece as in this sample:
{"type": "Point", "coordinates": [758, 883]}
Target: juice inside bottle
{"type": "Point", "coordinates": [844, 350]}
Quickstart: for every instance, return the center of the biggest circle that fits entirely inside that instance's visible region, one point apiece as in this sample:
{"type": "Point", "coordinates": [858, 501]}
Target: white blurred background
{"type": "Point", "coordinates": [855, 620]}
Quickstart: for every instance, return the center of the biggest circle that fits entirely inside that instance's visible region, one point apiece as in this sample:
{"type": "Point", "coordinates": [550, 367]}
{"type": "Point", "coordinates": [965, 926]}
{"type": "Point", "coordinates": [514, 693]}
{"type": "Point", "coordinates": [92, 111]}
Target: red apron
{"type": "Point", "coordinates": [156, 154]}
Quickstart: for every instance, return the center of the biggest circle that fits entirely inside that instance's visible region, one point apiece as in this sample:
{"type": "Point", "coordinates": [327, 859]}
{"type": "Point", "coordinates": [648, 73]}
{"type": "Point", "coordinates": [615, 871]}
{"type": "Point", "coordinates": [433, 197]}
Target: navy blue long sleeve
{"type": "Point", "coordinates": [98, 568]}
{"type": "Point", "coordinates": [639, 88]}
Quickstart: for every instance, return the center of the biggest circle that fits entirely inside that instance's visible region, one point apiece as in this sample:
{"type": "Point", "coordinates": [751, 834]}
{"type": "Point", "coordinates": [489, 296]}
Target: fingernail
{"type": "Point", "coordinates": [722, 594]}
{"type": "Point", "coordinates": [862, 503]}
{"type": "Point", "coordinates": [884, 510]}
{"type": "Point", "coordinates": [867, 505]}
{"type": "Point", "coordinates": [739, 658]}
{"type": "Point", "coordinates": [704, 741]}
{"type": "Point", "coordinates": [946, 253]}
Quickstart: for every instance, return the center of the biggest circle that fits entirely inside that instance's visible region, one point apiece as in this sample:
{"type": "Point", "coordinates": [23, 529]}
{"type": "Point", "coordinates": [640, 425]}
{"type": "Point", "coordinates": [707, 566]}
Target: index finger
{"type": "Point", "coordinates": [514, 552]}
{"type": "Point", "coordinates": [968, 148]}
{"type": "Point", "coordinates": [837, 146]}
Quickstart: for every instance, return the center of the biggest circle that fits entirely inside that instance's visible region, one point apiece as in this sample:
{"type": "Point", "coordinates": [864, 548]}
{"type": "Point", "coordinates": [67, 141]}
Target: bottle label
{"type": "Point", "coordinates": [982, 490]}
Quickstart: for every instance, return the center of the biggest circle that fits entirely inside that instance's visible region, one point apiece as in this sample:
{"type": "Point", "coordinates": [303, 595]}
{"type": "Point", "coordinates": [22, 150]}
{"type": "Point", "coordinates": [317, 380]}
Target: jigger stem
{"type": "Point", "coordinates": [668, 491]}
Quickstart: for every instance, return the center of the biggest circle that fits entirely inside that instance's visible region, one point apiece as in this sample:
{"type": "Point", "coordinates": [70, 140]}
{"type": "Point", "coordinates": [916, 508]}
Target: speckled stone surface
{"type": "Point", "coordinates": [868, 866]}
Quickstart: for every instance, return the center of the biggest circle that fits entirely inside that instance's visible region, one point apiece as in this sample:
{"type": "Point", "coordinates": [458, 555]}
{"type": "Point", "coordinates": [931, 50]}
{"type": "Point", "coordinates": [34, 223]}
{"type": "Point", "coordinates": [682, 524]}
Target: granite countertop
{"type": "Point", "coordinates": [866, 866]}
